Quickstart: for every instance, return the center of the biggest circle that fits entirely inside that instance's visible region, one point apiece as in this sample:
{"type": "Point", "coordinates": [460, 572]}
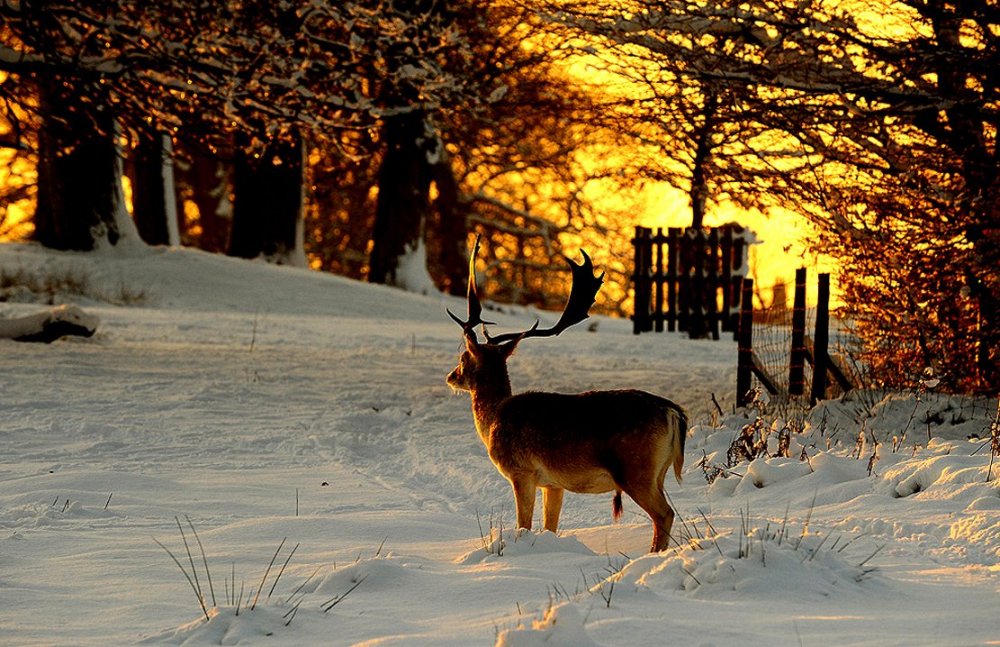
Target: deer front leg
{"type": "Point", "coordinates": [524, 499]}
{"type": "Point", "coordinates": [552, 498]}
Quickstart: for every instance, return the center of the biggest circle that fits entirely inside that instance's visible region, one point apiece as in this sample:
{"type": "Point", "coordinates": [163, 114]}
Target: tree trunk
{"type": "Point", "coordinates": [700, 165]}
{"type": "Point", "coordinates": [154, 200]}
{"type": "Point", "coordinates": [701, 299]}
{"type": "Point", "coordinates": [267, 211]}
{"type": "Point", "coordinates": [450, 229]}
{"type": "Point", "coordinates": [985, 289]}
{"type": "Point", "coordinates": [403, 194]}
{"type": "Point", "coordinates": [80, 201]}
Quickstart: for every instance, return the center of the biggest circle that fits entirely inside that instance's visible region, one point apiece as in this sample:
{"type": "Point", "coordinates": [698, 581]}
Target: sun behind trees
{"type": "Point", "coordinates": [875, 121]}
{"type": "Point", "coordinates": [408, 126]}
{"type": "Point", "coordinates": [405, 125]}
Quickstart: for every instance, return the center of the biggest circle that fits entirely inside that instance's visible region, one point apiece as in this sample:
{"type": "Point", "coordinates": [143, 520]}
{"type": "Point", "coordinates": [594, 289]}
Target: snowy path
{"type": "Point", "coordinates": [316, 410]}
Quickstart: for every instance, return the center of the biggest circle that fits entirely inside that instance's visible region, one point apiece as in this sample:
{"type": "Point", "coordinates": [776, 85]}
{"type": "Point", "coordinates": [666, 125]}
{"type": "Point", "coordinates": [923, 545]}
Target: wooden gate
{"type": "Point", "coordinates": [689, 279]}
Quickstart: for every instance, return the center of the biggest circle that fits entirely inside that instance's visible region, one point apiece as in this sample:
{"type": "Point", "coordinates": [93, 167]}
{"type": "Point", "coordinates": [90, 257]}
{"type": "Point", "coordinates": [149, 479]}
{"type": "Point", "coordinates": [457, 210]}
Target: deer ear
{"type": "Point", "coordinates": [508, 349]}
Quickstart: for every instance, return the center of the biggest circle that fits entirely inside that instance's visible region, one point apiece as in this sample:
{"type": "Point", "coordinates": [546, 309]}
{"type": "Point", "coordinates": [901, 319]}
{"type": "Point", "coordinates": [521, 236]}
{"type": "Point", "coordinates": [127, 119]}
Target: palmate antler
{"type": "Point", "coordinates": [581, 297]}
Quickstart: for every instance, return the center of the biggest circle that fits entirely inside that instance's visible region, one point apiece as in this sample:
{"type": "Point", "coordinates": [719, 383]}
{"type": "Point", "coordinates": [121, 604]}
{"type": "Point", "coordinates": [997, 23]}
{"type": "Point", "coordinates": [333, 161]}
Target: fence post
{"type": "Point", "coordinates": [713, 270]}
{"type": "Point", "coordinates": [658, 279]}
{"type": "Point", "coordinates": [673, 277]}
{"type": "Point", "coordinates": [744, 364]}
{"type": "Point", "coordinates": [725, 278]}
{"type": "Point", "coordinates": [796, 365]}
{"type": "Point", "coordinates": [641, 280]}
{"type": "Point", "coordinates": [821, 339]}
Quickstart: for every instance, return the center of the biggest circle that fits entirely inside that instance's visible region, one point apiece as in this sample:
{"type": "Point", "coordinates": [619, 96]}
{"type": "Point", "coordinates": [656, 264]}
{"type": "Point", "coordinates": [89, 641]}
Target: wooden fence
{"type": "Point", "coordinates": [803, 348]}
{"type": "Point", "coordinates": [689, 279]}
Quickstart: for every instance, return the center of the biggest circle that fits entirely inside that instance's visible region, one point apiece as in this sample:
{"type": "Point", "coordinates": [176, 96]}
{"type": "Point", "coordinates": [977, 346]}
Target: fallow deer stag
{"type": "Point", "coordinates": [594, 442]}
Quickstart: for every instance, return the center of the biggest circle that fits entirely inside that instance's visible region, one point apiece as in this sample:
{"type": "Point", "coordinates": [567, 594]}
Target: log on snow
{"type": "Point", "coordinates": [48, 326]}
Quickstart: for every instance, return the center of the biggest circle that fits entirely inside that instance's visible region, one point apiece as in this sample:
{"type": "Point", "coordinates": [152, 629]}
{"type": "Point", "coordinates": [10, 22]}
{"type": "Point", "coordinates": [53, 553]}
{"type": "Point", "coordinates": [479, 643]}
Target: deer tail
{"type": "Point", "coordinates": [616, 506]}
{"type": "Point", "coordinates": [680, 435]}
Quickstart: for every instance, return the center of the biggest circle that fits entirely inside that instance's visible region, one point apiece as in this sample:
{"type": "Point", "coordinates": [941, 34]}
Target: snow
{"type": "Point", "coordinates": [50, 324]}
{"type": "Point", "coordinates": [264, 406]}
{"type": "Point", "coordinates": [411, 272]}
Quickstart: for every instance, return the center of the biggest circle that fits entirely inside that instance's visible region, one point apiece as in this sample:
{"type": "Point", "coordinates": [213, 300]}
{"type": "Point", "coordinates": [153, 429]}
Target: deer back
{"type": "Point", "coordinates": [615, 431]}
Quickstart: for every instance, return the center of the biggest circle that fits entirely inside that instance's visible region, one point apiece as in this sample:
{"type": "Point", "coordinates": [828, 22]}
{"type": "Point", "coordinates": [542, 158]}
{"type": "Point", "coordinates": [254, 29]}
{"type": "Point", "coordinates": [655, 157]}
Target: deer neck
{"type": "Point", "coordinates": [486, 400]}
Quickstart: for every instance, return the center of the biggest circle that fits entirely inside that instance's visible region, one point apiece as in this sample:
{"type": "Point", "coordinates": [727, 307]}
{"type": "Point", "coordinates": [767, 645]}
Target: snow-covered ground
{"type": "Point", "coordinates": [268, 407]}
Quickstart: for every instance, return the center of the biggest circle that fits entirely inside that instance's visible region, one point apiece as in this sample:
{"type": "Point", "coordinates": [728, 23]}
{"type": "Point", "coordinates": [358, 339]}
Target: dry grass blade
{"type": "Point", "coordinates": [326, 606]}
{"type": "Point", "coordinates": [816, 550]}
{"type": "Point", "coordinates": [301, 586]}
{"type": "Point", "coordinates": [204, 558]}
{"type": "Point", "coordinates": [282, 571]}
{"type": "Point", "coordinates": [715, 533]}
{"type": "Point", "coordinates": [266, 573]}
{"type": "Point", "coordinates": [291, 613]}
{"type": "Point", "coordinates": [194, 588]}
{"type": "Point", "coordinates": [805, 526]}
{"type": "Point", "coordinates": [691, 575]}
{"type": "Point", "coordinates": [784, 524]}
{"type": "Point", "coordinates": [867, 559]}
{"type": "Point", "coordinates": [194, 571]}
{"type": "Point", "coordinates": [849, 542]}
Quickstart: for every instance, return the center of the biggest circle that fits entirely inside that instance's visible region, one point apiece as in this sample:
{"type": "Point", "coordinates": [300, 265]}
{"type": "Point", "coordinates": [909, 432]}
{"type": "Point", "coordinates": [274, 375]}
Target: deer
{"type": "Point", "coordinates": [593, 442]}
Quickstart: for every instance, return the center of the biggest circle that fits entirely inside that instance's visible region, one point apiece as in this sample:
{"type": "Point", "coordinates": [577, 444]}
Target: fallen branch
{"type": "Point", "coordinates": [48, 326]}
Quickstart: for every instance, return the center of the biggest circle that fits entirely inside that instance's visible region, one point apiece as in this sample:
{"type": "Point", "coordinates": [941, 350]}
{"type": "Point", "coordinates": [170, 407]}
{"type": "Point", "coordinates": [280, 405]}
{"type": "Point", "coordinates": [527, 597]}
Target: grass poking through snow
{"type": "Point", "coordinates": [244, 601]}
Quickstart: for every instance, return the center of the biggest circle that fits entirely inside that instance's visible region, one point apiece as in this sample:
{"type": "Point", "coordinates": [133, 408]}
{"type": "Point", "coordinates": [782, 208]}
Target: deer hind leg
{"type": "Point", "coordinates": [552, 498]}
{"type": "Point", "coordinates": [524, 500]}
{"type": "Point", "coordinates": [648, 495]}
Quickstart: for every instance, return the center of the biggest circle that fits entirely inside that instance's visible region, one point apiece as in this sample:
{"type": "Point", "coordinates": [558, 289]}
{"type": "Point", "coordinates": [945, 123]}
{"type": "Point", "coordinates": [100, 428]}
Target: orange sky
{"type": "Point", "coordinates": [781, 234]}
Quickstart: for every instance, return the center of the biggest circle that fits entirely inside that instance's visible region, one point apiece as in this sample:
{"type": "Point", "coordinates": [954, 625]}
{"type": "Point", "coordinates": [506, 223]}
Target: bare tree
{"type": "Point", "coordinates": [880, 131]}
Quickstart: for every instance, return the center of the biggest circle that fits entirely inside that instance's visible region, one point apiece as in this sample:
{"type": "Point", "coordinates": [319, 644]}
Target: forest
{"type": "Point", "coordinates": [374, 139]}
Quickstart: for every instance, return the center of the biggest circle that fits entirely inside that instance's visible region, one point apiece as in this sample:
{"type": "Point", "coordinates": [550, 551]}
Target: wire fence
{"type": "Point", "coordinates": [797, 352]}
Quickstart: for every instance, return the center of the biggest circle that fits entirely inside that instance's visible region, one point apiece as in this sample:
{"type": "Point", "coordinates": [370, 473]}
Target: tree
{"type": "Point", "coordinates": [411, 142]}
{"type": "Point", "coordinates": [79, 201]}
{"type": "Point", "coordinates": [511, 156]}
{"type": "Point", "coordinates": [461, 104]}
{"type": "Point", "coordinates": [154, 199]}
{"type": "Point", "coordinates": [340, 211]}
{"type": "Point", "coordinates": [267, 212]}
{"type": "Point", "coordinates": [446, 162]}
{"type": "Point", "coordinates": [88, 75]}
{"type": "Point", "coordinates": [78, 168]}
{"type": "Point", "coordinates": [880, 132]}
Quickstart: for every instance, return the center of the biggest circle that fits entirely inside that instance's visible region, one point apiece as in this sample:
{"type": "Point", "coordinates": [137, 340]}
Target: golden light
{"type": "Point", "coordinates": [782, 235]}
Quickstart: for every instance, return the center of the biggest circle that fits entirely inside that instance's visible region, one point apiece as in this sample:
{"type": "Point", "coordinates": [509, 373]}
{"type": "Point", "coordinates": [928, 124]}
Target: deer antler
{"type": "Point", "coordinates": [472, 296]}
{"type": "Point", "coordinates": [581, 297]}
